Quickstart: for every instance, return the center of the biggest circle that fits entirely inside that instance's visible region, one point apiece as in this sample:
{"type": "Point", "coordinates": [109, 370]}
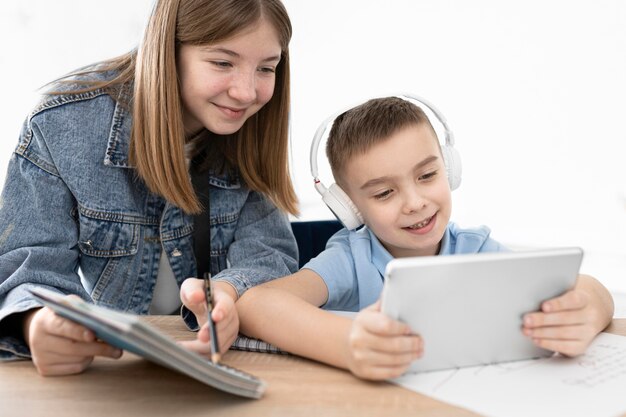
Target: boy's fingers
{"type": "Point", "coordinates": [380, 324]}
{"type": "Point", "coordinates": [375, 358]}
{"type": "Point", "coordinates": [565, 318]}
{"type": "Point", "coordinates": [557, 332]}
{"type": "Point", "coordinates": [571, 300]}
{"type": "Point", "coordinates": [375, 306]}
{"type": "Point", "coordinates": [397, 345]}
{"type": "Point", "coordinates": [566, 347]}
{"type": "Point", "coordinates": [377, 373]}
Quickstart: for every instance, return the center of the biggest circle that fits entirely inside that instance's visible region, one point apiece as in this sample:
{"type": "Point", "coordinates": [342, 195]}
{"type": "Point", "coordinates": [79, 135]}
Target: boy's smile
{"type": "Point", "coordinates": [401, 189]}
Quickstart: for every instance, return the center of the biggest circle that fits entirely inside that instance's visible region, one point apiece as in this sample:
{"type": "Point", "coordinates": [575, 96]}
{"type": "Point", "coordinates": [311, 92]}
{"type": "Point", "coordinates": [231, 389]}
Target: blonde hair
{"type": "Point", "coordinates": [355, 131]}
{"type": "Point", "coordinates": [258, 151]}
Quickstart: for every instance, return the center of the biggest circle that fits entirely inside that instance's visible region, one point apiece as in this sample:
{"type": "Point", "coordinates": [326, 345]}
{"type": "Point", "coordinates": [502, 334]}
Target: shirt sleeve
{"type": "Point", "coordinates": [336, 267]}
{"type": "Point", "coordinates": [470, 240]}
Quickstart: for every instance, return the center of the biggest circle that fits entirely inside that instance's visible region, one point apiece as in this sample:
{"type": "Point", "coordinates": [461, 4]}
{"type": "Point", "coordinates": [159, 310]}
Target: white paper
{"type": "Point", "coordinates": [593, 384]}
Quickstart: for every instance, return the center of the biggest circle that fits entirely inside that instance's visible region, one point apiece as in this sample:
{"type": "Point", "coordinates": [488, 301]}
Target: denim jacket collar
{"type": "Point", "coordinates": [119, 137]}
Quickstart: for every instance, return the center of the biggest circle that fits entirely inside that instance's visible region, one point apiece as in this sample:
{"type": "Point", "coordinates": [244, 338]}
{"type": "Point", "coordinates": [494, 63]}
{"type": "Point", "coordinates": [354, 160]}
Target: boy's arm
{"type": "Point", "coordinates": [285, 312]}
{"type": "Point", "coordinates": [598, 296]}
{"type": "Point", "coordinates": [569, 323]}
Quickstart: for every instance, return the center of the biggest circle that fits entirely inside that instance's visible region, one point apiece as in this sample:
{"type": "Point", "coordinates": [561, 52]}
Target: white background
{"type": "Point", "coordinates": [534, 91]}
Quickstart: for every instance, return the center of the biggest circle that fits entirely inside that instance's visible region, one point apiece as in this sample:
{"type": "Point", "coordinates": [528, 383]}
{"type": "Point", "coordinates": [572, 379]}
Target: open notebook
{"type": "Point", "coordinates": [128, 332]}
{"type": "Point", "coordinates": [255, 345]}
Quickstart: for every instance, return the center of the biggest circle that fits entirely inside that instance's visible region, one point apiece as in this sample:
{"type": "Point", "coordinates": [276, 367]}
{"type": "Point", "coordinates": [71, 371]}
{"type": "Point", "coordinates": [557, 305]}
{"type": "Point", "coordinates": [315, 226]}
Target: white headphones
{"type": "Point", "coordinates": [338, 201]}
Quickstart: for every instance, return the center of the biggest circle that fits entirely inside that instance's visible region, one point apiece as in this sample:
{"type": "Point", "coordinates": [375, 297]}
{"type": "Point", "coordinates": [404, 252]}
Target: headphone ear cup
{"type": "Point", "coordinates": [342, 207]}
{"type": "Point", "coordinates": [452, 160]}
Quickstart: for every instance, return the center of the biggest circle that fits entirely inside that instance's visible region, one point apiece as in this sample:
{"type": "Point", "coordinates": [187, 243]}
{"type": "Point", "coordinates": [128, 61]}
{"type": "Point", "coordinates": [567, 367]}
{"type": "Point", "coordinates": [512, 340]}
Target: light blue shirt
{"type": "Point", "coordinates": [353, 263]}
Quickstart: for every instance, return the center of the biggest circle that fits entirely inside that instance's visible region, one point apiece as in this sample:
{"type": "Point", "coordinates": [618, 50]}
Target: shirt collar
{"type": "Point", "coordinates": [380, 256]}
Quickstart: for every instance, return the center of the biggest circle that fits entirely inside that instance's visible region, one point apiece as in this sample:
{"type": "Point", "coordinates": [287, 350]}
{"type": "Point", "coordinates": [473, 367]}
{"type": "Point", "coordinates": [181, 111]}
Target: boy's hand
{"type": "Point", "coordinates": [224, 314]}
{"type": "Point", "coordinates": [59, 346]}
{"type": "Point", "coordinates": [566, 324]}
{"type": "Point", "coordinates": [379, 347]}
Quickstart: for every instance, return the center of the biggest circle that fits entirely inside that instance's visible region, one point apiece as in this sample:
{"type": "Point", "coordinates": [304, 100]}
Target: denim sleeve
{"type": "Point", "coordinates": [264, 247]}
{"type": "Point", "coordinates": [38, 236]}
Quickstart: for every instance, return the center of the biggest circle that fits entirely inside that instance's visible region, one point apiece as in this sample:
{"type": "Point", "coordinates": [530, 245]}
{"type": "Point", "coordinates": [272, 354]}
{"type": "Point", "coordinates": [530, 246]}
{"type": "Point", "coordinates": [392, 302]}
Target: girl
{"type": "Point", "coordinates": [99, 181]}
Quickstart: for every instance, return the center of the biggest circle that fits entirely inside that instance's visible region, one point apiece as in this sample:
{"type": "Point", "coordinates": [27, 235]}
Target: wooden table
{"type": "Point", "coordinates": [132, 386]}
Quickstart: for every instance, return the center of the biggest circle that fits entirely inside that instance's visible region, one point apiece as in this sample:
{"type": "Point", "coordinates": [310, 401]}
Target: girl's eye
{"type": "Point", "coordinates": [428, 176]}
{"type": "Point", "coordinates": [382, 196]}
{"type": "Point", "coordinates": [222, 64]}
{"type": "Point", "coordinates": [268, 70]}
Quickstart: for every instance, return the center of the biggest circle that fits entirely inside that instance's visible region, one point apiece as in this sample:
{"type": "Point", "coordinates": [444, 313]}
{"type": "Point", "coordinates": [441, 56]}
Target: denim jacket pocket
{"type": "Point", "coordinates": [107, 241]}
{"type": "Point", "coordinates": [101, 237]}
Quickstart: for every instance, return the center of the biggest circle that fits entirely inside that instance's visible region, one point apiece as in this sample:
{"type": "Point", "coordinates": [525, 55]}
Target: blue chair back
{"type": "Point", "coordinates": [312, 236]}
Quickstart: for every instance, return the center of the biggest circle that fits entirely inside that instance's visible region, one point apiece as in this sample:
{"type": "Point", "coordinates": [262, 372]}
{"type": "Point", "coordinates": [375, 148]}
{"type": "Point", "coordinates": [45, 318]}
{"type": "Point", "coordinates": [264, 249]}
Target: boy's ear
{"type": "Point", "coordinates": [342, 207]}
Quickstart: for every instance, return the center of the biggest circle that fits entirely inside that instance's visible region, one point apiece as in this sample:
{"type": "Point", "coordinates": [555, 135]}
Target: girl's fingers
{"type": "Point", "coordinates": [47, 322]}
{"type": "Point", "coordinates": [62, 368]}
{"type": "Point", "coordinates": [197, 346]}
{"type": "Point", "coordinates": [63, 347]}
{"type": "Point", "coordinates": [192, 296]}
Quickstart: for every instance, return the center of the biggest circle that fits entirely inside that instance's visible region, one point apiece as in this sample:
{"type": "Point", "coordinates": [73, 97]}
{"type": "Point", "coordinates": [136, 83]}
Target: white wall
{"type": "Point", "coordinates": [534, 92]}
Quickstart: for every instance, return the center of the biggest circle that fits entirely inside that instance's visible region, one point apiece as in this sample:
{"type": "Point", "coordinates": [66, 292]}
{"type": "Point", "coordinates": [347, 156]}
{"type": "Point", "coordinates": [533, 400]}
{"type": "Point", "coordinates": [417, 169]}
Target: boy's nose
{"type": "Point", "coordinates": [413, 202]}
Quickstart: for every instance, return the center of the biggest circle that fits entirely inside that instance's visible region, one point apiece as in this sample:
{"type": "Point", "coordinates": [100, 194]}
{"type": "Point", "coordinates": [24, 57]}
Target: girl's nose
{"type": "Point", "coordinates": [243, 87]}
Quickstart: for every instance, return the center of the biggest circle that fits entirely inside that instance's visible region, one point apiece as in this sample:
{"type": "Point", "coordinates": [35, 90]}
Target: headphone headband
{"type": "Point", "coordinates": [326, 124]}
{"type": "Point", "coordinates": [339, 202]}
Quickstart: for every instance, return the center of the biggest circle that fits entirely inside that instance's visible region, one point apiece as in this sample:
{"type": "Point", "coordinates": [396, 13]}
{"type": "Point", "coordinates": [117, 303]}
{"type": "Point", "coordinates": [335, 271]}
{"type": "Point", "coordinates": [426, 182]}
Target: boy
{"type": "Point", "coordinates": [385, 155]}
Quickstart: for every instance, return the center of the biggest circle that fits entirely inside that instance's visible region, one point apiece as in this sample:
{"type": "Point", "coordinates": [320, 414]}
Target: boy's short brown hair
{"type": "Point", "coordinates": [356, 130]}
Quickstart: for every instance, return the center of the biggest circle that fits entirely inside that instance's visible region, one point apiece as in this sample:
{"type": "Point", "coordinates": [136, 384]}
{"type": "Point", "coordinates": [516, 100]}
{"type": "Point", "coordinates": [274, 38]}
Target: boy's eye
{"type": "Point", "coordinates": [385, 194]}
{"type": "Point", "coordinates": [428, 176]}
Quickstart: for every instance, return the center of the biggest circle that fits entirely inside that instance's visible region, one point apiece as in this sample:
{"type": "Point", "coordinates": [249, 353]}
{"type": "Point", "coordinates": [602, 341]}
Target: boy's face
{"type": "Point", "coordinates": [401, 189]}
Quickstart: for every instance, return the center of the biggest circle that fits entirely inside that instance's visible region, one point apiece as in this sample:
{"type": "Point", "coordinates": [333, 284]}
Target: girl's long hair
{"type": "Point", "coordinates": [258, 152]}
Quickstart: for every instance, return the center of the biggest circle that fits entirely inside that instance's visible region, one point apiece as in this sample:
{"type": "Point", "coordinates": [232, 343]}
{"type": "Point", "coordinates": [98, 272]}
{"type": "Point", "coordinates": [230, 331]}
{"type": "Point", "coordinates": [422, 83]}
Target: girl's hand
{"type": "Point", "coordinates": [224, 314]}
{"type": "Point", "coordinates": [59, 346]}
{"type": "Point", "coordinates": [379, 347]}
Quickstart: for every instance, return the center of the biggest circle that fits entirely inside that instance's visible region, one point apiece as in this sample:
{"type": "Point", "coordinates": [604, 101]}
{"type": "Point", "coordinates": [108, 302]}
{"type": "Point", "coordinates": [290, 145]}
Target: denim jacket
{"type": "Point", "coordinates": [74, 217]}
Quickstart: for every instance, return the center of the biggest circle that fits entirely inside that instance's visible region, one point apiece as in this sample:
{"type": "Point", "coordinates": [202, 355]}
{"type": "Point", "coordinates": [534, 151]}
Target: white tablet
{"type": "Point", "coordinates": [468, 308]}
